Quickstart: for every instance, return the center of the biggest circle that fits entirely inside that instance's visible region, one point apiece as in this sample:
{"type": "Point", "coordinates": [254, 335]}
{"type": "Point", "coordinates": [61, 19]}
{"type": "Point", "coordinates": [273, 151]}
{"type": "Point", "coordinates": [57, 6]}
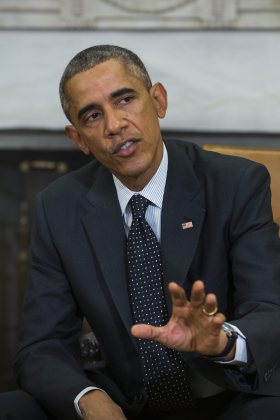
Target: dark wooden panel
{"type": "Point", "coordinates": [22, 175]}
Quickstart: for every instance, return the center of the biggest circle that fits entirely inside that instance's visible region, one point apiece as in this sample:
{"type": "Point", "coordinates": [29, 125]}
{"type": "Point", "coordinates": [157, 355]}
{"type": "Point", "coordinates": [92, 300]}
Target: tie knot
{"type": "Point", "coordinates": [138, 205]}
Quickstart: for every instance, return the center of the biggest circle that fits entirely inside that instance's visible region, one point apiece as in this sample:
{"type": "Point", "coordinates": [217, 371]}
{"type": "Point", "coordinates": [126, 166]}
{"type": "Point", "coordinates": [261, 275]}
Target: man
{"type": "Point", "coordinates": [200, 222]}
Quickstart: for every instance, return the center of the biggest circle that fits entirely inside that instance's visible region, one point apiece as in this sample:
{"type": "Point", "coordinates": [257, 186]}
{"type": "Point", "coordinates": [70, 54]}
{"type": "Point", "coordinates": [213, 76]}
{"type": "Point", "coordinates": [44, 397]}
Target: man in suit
{"type": "Point", "coordinates": [219, 247]}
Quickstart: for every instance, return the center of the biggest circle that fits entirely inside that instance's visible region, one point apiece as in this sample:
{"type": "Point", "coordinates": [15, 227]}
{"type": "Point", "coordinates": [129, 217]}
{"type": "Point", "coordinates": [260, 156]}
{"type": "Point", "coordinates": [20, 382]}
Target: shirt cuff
{"type": "Point", "coordinates": [241, 356]}
{"type": "Point", "coordinates": [79, 396]}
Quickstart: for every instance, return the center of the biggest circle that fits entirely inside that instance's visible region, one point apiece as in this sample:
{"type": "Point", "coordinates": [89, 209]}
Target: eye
{"type": "Point", "coordinates": [126, 100]}
{"type": "Point", "coordinates": [92, 116]}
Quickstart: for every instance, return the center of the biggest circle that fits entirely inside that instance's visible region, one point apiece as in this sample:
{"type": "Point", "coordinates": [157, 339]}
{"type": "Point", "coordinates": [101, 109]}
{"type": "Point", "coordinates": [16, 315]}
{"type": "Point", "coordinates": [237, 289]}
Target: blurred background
{"type": "Point", "coordinates": [218, 59]}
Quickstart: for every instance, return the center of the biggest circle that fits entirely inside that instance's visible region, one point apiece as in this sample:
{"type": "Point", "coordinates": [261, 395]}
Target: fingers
{"type": "Point", "coordinates": [217, 322]}
{"type": "Point", "coordinates": [144, 331]}
{"type": "Point", "coordinates": [206, 304]}
{"type": "Point", "coordinates": [198, 300]}
{"type": "Point", "coordinates": [178, 294]}
{"type": "Point", "coordinates": [210, 306]}
{"type": "Point", "coordinates": [197, 294]}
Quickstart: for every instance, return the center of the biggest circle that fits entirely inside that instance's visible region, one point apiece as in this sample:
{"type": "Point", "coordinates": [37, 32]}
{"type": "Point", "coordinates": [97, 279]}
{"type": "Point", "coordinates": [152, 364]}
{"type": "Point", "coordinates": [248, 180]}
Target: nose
{"type": "Point", "coordinates": [114, 122]}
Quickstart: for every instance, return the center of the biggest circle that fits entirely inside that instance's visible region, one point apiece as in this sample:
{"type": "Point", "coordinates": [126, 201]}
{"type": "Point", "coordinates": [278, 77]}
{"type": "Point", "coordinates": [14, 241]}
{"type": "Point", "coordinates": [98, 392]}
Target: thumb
{"type": "Point", "coordinates": [144, 331]}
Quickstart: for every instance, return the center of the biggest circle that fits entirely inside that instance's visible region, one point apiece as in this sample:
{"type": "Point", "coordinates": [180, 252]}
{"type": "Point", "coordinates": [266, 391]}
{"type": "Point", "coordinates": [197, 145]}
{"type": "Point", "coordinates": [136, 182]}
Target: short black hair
{"type": "Point", "coordinates": [91, 57]}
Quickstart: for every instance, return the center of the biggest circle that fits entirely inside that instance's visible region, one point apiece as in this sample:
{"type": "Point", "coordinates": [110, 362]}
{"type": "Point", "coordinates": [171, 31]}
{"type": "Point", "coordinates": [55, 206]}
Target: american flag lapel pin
{"type": "Point", "coordinates": [187, 225]}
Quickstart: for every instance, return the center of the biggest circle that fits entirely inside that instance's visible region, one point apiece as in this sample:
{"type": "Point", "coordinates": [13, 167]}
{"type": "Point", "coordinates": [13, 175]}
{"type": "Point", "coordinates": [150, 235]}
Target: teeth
{"type": "Point", "coordinates": [126, 145]}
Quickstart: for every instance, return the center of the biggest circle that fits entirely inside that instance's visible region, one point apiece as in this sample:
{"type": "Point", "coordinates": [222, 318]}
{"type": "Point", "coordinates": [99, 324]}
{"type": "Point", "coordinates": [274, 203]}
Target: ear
{"type": "Point", "coordinates": [159, 96]}
{"type": "Point", "coordinates": [73, 135]}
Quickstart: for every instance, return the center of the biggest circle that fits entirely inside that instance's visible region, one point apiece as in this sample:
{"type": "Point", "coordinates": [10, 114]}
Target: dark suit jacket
{"type": "Point", "coordinates": [79, 269]}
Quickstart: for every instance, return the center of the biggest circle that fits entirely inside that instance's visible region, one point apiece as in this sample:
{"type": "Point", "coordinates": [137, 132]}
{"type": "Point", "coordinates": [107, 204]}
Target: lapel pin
{"type": "Point", "coordinates": [187, 225]}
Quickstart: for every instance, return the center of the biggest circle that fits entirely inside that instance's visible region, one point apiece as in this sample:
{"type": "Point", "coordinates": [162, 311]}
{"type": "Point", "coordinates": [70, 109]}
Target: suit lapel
{"type": "Point", "coordinates": [182, 204]}
{"type": "Point", "coordinates": [105, 230]}
{"type": "Point", "coordinates": [104, 227]}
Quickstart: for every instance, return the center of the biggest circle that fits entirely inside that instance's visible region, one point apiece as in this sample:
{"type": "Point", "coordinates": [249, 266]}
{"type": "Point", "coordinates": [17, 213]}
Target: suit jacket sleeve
{"type": "Point", "coordinates": [254, 261]}
{"type": "Point", "coordinates": [46, 364]}
{"type": "Point", "coordinates": [255, 257]}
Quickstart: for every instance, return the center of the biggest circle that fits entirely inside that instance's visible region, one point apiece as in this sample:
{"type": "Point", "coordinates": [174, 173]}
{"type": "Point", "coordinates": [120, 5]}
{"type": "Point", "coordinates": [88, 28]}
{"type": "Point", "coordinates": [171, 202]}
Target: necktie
{"type": "Point", "coordinates": [163, 368]}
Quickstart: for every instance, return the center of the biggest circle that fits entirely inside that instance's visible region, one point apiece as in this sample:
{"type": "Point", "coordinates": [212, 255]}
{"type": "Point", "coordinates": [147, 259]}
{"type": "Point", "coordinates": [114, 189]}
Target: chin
{"type": "Point", "coordinates": [135, 172]}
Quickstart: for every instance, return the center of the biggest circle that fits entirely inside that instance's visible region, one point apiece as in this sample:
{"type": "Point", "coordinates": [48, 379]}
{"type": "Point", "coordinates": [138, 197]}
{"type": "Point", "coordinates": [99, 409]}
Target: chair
{"type": "Point", "coordinates": [268, 157]}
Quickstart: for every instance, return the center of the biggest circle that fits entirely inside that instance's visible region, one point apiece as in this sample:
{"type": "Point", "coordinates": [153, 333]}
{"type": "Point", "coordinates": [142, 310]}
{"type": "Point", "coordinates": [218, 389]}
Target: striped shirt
{"type": "Point", "coordinates": [153, 191]}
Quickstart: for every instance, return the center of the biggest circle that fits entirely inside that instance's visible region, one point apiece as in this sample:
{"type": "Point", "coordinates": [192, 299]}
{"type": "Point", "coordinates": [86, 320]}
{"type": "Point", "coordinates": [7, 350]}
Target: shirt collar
{"type": "Point", "coordinates": [153, 191]}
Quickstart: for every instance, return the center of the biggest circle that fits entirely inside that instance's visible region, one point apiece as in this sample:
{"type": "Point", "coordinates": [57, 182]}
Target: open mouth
{"type": "Point", "coordinates": [126, 145]}
{"type": "Point", "coordinates": [126, 148]}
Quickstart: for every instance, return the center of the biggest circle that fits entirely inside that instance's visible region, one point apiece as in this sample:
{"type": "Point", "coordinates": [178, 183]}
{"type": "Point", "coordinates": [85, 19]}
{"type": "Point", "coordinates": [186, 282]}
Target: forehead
{"type": "Point", "coordinates": [103, 79]}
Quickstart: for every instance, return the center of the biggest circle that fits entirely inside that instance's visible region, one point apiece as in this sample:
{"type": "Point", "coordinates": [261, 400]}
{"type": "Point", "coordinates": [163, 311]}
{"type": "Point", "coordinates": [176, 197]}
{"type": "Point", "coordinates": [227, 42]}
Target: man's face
{"type": "Point", "coordinates": [115, 118]}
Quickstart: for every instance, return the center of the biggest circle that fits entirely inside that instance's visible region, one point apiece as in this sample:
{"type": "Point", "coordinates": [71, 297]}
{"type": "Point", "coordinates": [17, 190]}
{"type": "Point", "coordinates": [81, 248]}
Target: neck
{"type": "Point", "coordinates": [137, 183]}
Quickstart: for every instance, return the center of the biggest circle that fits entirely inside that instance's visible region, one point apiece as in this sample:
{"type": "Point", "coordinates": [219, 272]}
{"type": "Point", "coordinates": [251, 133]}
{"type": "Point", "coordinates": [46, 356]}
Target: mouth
{"type": "Point", "coordinates": [126, 148]}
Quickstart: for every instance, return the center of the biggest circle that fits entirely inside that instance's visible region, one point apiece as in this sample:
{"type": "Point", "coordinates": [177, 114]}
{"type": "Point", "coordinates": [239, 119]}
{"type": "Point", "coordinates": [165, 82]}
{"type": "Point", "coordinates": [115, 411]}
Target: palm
{"type": "Point", "coordinates": [188, 328]}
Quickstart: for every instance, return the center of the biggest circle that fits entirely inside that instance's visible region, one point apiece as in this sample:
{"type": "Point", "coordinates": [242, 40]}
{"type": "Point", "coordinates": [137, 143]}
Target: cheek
{"type": "Point", "coordinates": [93, 142]}
{"type": "Point", "coordinates": [150, 118]}
{"type": "Point", "coordinates": [142, 110]}
{"type": "Point", "coordinates": [101, 154]}
{"type": "Point", "coordinates": [152, 129]}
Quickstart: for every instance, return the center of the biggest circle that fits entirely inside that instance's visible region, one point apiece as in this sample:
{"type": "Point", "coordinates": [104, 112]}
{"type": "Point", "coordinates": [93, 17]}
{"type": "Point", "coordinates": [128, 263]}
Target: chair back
{"type": "Point", "coordinates": [268, 157]}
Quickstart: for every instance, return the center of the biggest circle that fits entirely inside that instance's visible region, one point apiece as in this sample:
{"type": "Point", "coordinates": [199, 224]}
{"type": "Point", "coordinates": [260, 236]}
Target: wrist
{"type": "Point", "coordinates": [86, 400]}
{"type": "Point", "coordinates": [229, 348]}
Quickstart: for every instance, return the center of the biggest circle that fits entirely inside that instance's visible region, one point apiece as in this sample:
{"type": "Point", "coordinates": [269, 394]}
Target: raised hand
{"type": "Point", "coordinates": [194, 325]}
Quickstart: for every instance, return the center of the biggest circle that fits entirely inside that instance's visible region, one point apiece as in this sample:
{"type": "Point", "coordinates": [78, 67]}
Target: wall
{"type": "Point", "coordinates": [218, 59]}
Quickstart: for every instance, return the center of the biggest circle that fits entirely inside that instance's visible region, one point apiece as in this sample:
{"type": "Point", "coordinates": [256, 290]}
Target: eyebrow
{"type": "Point", "coordinates": [113, 95]}
{"type": "Point", "coordinates": [85, 109]}
{"type": "Point", "coordinates": [121, 92]}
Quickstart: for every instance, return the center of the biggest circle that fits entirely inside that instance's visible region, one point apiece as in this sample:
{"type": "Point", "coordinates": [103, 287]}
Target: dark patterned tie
{"type": "Point", "coordinates": [163, 368]}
